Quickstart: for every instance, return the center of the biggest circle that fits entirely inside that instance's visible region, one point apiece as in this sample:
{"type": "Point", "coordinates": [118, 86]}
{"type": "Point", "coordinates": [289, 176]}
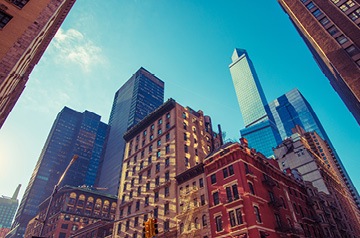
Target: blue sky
{"type": "Point", "coordinates": [187, 44]}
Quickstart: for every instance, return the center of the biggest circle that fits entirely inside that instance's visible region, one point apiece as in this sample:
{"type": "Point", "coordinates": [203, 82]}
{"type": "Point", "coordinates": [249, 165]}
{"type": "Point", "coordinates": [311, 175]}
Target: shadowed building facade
{"type": "Point", "coordinates": [26, 29]}
{"type": "Point", "coordinates": [72, 133]}
{"type": "Point", "coordinates": [8, 206]}
{"type": "Point", "coordinates": [331, 31]}
{"type": "Point", "coordinates": [138, 97]}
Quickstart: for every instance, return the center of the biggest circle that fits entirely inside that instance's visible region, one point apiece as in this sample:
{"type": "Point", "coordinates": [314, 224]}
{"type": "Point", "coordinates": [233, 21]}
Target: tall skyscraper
{"type": "Point", "coordinates": [260, 130]}
{"type": "Point", "coordinates": [291, 110]}
{"type": "Point", "coordinates": [8, 206]}
{"type": "Point", "coordinates": [72, 133]}
{"type": "Point", "coordinates": [26, 29]}
{"type": "Point", "coordinates": [331, 31]}
{"type": "Point", "coordinates": [138, 97]}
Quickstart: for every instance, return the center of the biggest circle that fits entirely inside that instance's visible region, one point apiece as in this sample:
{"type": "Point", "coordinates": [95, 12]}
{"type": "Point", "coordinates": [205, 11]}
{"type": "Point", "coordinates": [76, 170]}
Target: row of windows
{"type": "Point", "coordinates": [235, 217]}
{"type": "Point", "coordinates": [228, 171]}
{"type": "Point", "coordinates": [351, 49]}
{"type": "Point", "coordinates": [195, 224]}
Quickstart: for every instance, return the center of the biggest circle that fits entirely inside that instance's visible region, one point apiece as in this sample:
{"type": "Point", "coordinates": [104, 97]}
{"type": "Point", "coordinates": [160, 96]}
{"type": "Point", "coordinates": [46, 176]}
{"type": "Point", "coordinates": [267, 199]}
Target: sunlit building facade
{"type": "Point", "coordinates": [295, 152]}
{"type": "Point", "coordinates": [159, 150]}
{"type": "Point", "coordinates": [72, 209]}
{"type": "Point", "coordinates": [72, 133]}
{"type": "Point", "coordinates": [331, 31]}
{"type": "Point", "coordinates": [260, 130]}
{"type": "Point", "coordinates": [8, 206]}
{"type": "Point", "coordinates": [138, 97]}
{"type": "Point", "coordinates": [26, 29]}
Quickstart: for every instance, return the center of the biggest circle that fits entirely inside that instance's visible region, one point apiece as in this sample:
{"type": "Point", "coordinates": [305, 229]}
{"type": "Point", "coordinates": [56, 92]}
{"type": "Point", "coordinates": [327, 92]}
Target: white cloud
{"type": "Point", "coordinates": [72, 47]}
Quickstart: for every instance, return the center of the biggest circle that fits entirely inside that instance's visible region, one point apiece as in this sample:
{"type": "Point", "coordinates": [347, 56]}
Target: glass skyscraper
{"type": "Point", "coordinates": [293, 109]}
{"type": "Point", "coordinates": [8, 206]}
{"type": "Point", "coordinates": [137, 98]}
{"type": "Point", "coordinates": [72, 133]}
{"type": "Point", "coordinates": [260, 131]}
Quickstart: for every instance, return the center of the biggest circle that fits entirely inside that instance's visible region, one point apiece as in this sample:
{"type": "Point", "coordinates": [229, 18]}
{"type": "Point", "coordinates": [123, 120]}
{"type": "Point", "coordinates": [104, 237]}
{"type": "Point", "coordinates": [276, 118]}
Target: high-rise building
{"type": "Point", "coordinates": [163, 172]}
{"type": "Point", "coordinates": [138, 97]}
{"type": "Point", "coordinates": [291, 110]}
{"type": "Point", "coordinates": [72, 133]}
{"type": "Point", "coordinates": [260, 130]}
{"type": "Point", "coordinates": [296, 153]}
{"type": "Point", "coordinates": [26, 29]}
{"type": "Point", "coordinates": [8, 206]}
{"type": "Point", "coordinates": [331, 31]}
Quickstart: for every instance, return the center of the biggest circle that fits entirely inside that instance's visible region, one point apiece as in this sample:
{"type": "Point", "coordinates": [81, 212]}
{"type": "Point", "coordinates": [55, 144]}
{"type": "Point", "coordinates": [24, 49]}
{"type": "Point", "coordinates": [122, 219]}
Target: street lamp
{"type": "Point", "coordinates": [56, 187]}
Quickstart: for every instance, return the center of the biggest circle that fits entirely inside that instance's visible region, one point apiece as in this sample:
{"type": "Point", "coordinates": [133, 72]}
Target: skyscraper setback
{"type": "Point", "coordinates": [138, 97]}
{"type": "Point", "coordinates": [260, 130]}
{"type": "Point", "coordinates": [331, 31]}
{"type": "Point", "coordinates": [72, 133]}
{"type": "Point", "coordinates": [26, 29]}
{"type": "Point", "coordinates": [8, 206]}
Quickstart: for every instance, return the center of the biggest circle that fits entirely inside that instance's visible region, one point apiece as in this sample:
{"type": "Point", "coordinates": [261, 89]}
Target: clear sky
{"type": "Point", "coordinates": [187, 44]}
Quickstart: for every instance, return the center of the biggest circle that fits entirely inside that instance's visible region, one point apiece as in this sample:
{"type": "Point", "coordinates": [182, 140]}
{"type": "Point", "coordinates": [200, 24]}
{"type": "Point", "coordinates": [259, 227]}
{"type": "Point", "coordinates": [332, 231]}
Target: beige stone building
{"type": "Point", "coordinates": [159, 151]}
{"type": "Point", "coordinates": [26, 29]}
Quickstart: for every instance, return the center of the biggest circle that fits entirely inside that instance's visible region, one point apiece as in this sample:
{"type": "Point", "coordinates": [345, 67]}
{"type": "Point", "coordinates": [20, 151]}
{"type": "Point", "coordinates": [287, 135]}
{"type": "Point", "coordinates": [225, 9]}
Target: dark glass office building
{"type": "Point", "coordinates": [138, 97]}
{"type": "Point", "coordinates": [293, 109]}
{"type": "Point", "coordinates": [260, 130]}
{"type": "Point", "coordinates": [331, 31]}
{"type": "Point", "coordinates": [72, 133]}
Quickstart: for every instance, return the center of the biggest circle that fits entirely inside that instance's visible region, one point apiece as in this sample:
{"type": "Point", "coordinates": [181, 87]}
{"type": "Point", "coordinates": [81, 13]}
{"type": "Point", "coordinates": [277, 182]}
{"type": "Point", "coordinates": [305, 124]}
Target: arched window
{"type": "Point", "coordinates": [196, 222]}
{"type": "Point", "coordinates": [105, 210]}
{"type": "Point", "coordinates": [72, 199]}
{"type": "Point", "coordinates": [90, 203]}
{"type": "Point", "coordinates": [204, 221]}
{"type": "Point", "coordinates": [81, 201]}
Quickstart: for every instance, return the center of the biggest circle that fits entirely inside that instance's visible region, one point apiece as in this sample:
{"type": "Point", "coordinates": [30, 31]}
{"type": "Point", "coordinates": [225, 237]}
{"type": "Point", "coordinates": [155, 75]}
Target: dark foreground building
{"type": "Point", "coordinates": [72, 133]}
{"type": "Point", "coordinates": [331, 31]}
{"type": "Point", "coordinates": [26, 29]}
{"type": "Point", "coordinates": [138, 97]}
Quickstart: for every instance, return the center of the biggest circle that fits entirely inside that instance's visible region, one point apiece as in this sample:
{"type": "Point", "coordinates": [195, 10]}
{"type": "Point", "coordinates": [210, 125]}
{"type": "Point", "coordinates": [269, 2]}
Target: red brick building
{"type": "Point", "coordinates": [250, 197]}
{"type": "Point", "coordinates": [26, 29]}
{"type": "Point", "coordinates": [71, 210]}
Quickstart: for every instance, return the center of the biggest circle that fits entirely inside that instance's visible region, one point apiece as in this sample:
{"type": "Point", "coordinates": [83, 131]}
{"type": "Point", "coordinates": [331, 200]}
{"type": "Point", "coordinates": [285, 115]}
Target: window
{"type": "Point", "coordinates": [62, 235]}
{"type": "Point", "coordinates": [283, 202]}
{"type": "Point", "coordinates": [186, 149]}
{"type": "Point", "coordinates": [231, 170]}
{"type": "Point", "coordinates": [167, 149]}
{"type": "Point", "coordinates": [216, 198]}
{"type": "Point", "coordinates": [324, 21]}
{"type": "Point", "coordinates": [235, 191]}
{"type": "Point", "coordinates": [218, 223]}
{"type": "Point", "coordinates": [167, 176]}
{"type": "Point", "coordinates": [129, 210]}
{"type": "Point", "coordinates": [144, 133]}
{"type": "Point", "coordinates": [186, 161]}
{"type": "Point", "coordinates": [202, 200]}
{"type": "Point", "coordinates": [167, 162]}
{"type": "Point", "coordinates": [167, 126]}
{"type": "Point", "coordinates": [201, 183]}
{"type": "Point", "coordinates": [149, 173]}
{"type": "Point", "coordinates": [167, 137]}
{"type": "Point", "coordinates": [150, 148]}
{"type": "Point", "coordinates": [251, 187]}
{"type": "Point", "coordinates": [157, 181]}
{"type": "Point", "coordinates": [239, 216]}
{"type": "Point", "coordinates": [166, 209]}
{"type": "Point", "coordinates": [158, 154]}
{"type": "Point", "coordinates": [19, 3]}
{"type": "Point", "coordinates": [157, 168]}
{"type": "Point", "coordinates": [184, 115]}
{"type": "Point", "coordinates": [127, 227]}
{"type": "Point", "coordinates": [147, 186]}
{"type": "Point", "coordinates": [151, 137]}
{"type": "Point", "coordinates": [341, 39]}
{"type": "Point", "coordinates": [333, 30]}
{"type": "Point", "coordinates": [64, 226]}
{"type": "Point", "coordinates": [278, 220]}
{"type": "Point", "coordinates": [149, 160]}
{"type": "Point", "coordinates": [225, 173]}
{"type": "Point", "coordinates": [156, 196]}
{"type": "Point", "coordinates": [229, 194]}
{"type": "Point", "coordinates": [137, 206]}
{"type": "Point", "coordinates": [152, 127]}
{"type": "Point", "coordinates": [168, 115]}
{"type": "Point", "coordinates": [167, 191]}
{"type": "Point", "coordinates": [316, 13]}
{"type": "Point", "coordinates": [159, 143]}
{"type": "Point", "coordinates": [204, 221]}
{"type": "Point", "coordinates": [166, 225]}
{"type": "Point", "coordinates": [355, 14]}
{"type": "Point", "coordinates": [140, 178]}
{"type": "Point", "coordinates": [185, 137]}
{"type": "Point", "coordinates": [310, 6]}
{"type": "Point", "coordinates": [232, 218]}
{"type": "Point", "coordinates": [156, 212]}
{"type": "Point", "coordinates": [352, 50]}
{"type": "Point", "coordinates": [146, 203]}
{"type": "Point", "coordinates": [257, 214]}
{"type": "Point", "coordinates": [159, 121]}
{"type": "Point", "coordinates": [213, 178]}
{"type": "Point", "coordinates": [159, 132]}
{"type": "Point", "coordinates": [344, 7]}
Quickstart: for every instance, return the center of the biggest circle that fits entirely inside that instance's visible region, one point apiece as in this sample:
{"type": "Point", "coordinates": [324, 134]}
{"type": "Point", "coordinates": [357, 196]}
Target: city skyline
{"type": "Point", "coordinates": [81, 63]}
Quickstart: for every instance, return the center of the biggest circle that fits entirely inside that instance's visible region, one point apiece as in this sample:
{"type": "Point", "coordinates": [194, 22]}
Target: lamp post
{"type": "Point", "coordinates": [56, 187]}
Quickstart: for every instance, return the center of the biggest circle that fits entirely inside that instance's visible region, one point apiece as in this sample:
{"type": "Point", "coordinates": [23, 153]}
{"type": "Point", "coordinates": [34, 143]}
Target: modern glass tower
{"type": "Point", "coordinates": [72, 133]}
{"type": "Point", "coordinates": [8, 206]}
{"type": "Point", "coordinates": [138, 97]}
{"type": "Point", "coordinates": [293, 109]}
{"type": "Point", "coordinates": [260, 131]}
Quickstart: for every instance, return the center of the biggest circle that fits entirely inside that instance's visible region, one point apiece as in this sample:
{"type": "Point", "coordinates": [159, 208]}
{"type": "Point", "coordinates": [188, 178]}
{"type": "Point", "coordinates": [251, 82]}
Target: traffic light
{"type": "Point", "coordinates": [146, 229]}
{"type": "Point", "coordinates": [153, 227]}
